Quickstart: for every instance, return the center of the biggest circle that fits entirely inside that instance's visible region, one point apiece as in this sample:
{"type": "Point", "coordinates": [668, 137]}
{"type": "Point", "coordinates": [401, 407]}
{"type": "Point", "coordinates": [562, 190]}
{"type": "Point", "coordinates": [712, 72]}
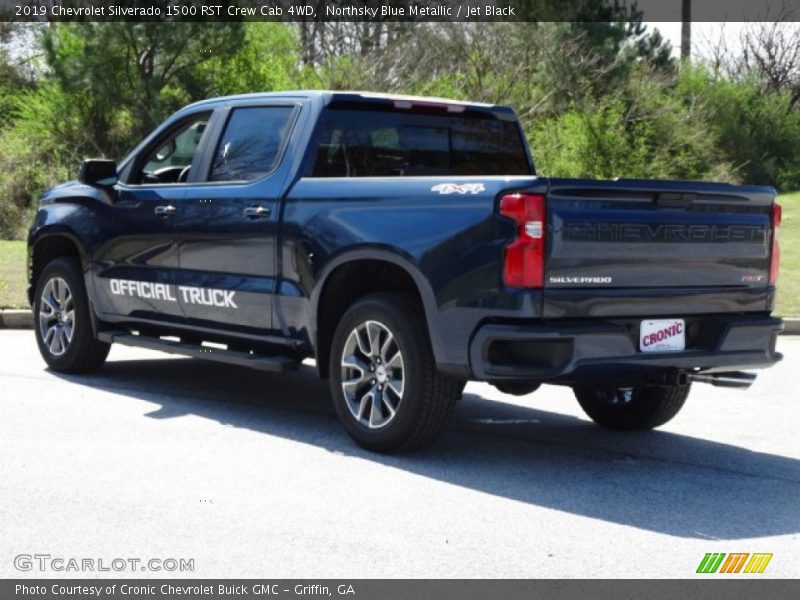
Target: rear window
{"type": "Point", "coordinates": [360, 143]}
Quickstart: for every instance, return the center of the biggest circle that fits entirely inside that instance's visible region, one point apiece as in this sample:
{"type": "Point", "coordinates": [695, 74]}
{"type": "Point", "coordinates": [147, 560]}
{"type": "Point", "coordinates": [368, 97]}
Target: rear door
{"type": "Point", "coordinates": [227, 222]}
{"type": "Point", "coordinates": [625, 236]}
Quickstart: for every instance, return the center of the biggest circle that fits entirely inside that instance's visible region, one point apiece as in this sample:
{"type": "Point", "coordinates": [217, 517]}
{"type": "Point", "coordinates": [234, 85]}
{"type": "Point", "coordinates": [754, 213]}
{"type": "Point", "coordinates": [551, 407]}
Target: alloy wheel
{"type": "Point", "coordinates": [373, 374]}
{"type": "Point", "coordinates": [56, 316]}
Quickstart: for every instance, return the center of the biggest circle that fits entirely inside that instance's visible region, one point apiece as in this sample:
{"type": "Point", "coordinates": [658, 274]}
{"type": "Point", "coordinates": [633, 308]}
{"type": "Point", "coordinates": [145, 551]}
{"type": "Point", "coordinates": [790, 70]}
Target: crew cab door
{"type": "Point", "coordinates": [227, 223]}
{"type": "Point", "coordinates": [137, 255]}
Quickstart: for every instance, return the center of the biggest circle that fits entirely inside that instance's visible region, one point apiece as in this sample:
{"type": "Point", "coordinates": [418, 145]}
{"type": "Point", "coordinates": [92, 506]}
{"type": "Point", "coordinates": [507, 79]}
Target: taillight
{"type": "Point", "coordinates": [523, 266]}
{"type": "Point", "coordinates": [775, 256]}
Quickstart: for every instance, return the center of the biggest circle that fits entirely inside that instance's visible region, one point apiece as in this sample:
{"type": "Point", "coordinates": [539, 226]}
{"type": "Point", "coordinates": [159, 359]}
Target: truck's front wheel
{"type": "Point", "coordinates": [62, 322]}
{"type": "Point", "coordinates": [385, 386]}
{"type": "Point", "coordinates": [632, 408]}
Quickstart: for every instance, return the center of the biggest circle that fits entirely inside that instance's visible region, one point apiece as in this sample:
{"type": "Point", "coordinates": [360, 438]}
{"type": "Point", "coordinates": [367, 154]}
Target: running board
{"type": "Point", "coordinates": [260, 362]}
{"type": "Point", "coordinates": [729, 379]}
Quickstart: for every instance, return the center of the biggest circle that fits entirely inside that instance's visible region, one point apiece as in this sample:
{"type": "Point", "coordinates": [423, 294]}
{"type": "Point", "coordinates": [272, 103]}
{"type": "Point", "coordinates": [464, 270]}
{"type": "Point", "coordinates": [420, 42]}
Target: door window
{"type": "Point", "coordinates": [169, 158]}
{"type": "Point", "coordinates": [251, 143]}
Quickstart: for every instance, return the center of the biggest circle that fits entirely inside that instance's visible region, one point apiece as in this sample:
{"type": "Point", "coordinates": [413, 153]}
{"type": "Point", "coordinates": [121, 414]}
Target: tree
{"type": "Point", "coordinates": [137, 72]}
{"type": "Point", "coordinates": [268, 60]}
{"type": "Point", "coordinates": [771, 52]}
{"type": "Point", "coordinates": [14, 76]}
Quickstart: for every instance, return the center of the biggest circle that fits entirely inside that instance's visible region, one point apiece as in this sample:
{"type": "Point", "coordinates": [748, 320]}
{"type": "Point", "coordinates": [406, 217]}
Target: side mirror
{"type": "Point", "coordinates": [98, 172]}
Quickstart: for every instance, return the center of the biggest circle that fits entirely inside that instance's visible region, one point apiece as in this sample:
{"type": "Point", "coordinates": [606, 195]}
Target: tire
{"type": "Point", "coordinates": [372, 411]}
{"type": "Point", "coordinates": [68, 345]}
{"type": "Point", "coordinates": [646, 407]}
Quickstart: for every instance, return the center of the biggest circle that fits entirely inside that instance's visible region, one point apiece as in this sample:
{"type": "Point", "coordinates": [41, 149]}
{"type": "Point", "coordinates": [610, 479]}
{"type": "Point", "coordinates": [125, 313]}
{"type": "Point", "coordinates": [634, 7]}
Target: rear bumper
{"type": "Point", "coordinates": [574, 351]}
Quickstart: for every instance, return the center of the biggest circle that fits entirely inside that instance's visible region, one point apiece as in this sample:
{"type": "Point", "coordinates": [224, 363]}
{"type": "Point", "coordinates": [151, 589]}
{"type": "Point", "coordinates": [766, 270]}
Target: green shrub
{"type": "Point", "coordinates": [41, 147]}
{"type": "Point", "coordinates": [640, 131]}
{"type": "Point", "coordinates": [757, 130]}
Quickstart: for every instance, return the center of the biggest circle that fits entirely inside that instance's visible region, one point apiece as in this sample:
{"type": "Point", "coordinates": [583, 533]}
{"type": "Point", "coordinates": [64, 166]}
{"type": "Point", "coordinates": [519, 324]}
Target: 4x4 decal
{"type": "Point", "coordinates": [459, 188]}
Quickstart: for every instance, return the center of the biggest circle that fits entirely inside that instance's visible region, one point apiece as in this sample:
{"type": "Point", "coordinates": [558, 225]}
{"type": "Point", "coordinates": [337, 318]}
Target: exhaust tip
{"type": "Point", "coordinates": [729, 379]}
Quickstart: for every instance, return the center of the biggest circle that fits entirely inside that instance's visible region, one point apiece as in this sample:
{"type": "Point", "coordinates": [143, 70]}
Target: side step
{"type": "Point", "coordinates": [260, 362]}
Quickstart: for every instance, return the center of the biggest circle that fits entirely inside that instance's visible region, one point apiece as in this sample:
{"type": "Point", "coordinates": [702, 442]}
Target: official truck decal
{"type": "Point", "coordinates": [169, 293]}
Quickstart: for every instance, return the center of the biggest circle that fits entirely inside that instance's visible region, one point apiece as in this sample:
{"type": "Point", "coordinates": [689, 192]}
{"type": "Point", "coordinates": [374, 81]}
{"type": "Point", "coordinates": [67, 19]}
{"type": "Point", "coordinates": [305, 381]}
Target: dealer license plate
{"type": "Point", "coordinates": [662, 335]}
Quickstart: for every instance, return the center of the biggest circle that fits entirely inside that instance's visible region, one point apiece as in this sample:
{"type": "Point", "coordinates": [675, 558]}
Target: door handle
{"type": "Point", "coordinates": [166, 210]}
{"type": "Point", "coordinates": [256, 212]}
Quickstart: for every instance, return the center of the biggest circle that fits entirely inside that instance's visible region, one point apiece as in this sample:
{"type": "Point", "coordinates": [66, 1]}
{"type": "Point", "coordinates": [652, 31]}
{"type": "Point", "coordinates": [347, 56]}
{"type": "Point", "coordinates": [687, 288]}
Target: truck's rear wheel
{"type": "Point", "coordinates": [62, 322]}
{"type": "Point", "coordinates": [386, 389]}
{"type": "Point", "coordinates": [632, 408]}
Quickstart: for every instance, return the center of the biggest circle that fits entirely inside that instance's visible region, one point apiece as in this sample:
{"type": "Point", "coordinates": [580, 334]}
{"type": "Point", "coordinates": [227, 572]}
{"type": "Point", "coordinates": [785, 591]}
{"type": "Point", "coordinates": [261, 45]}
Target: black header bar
{"type": "Point", "coordinates": [391, 10]}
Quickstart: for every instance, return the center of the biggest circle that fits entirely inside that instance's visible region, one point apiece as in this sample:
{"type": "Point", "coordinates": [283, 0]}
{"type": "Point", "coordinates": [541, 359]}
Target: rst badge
{"type": "Point", "coordinates": [459, 188]}
{"type": "Point", "coordinates": [662, 335]}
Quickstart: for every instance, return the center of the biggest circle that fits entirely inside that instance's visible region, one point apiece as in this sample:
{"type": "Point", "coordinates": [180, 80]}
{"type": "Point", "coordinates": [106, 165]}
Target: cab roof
{"type": "Point", "coordinates": [371, 99]}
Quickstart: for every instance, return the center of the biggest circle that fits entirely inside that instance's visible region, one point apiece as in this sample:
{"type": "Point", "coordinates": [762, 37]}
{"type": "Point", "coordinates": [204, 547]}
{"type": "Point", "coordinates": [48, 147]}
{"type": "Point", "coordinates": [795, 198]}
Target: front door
{"type": "Point", "coordinates": [227, 223]}
{"type": "Point", "coordinates": [136, 262]}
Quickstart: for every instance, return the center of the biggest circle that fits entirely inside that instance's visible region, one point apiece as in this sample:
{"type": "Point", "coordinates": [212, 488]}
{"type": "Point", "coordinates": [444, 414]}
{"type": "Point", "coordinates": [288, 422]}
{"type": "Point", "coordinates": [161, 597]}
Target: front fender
{"type": "Point", "coordinates": [66, 223]}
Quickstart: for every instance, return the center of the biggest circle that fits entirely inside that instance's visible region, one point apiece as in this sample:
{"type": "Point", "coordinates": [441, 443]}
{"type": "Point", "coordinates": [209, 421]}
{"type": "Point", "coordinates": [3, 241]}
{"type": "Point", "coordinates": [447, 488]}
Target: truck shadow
{"type": "Point", "coordinates": [657, 481]}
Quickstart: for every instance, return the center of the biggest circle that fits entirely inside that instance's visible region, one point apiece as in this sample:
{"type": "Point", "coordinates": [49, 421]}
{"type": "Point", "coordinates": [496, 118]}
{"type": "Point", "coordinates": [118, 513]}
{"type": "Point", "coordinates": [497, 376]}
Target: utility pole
{"type": "Point", "coordinates": [686, 30]}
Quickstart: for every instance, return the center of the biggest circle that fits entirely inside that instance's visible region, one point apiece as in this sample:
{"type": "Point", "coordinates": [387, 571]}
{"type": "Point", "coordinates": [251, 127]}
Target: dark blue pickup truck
{"type": "Point", "coordinates": [408, 245]}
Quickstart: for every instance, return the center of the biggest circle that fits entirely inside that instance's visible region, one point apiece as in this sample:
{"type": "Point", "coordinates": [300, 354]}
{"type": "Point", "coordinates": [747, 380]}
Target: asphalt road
{"type": "Point", "coordinates": [251, 476]}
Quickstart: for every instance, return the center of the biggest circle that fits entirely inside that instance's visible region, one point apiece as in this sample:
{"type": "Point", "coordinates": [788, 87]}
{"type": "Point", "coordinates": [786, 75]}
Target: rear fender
{"type": "Point", "coordinates": [380, 254]}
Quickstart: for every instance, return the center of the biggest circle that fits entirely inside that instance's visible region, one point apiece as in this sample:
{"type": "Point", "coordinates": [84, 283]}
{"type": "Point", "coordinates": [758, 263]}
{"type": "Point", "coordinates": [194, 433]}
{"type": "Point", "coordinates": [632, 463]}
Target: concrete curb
{"type": "Point", "coordinates": [15, 319]}
{"type": "Point", "coordinates": [23, 319]}
{"type": "Point", "coordinates": [791, 327]}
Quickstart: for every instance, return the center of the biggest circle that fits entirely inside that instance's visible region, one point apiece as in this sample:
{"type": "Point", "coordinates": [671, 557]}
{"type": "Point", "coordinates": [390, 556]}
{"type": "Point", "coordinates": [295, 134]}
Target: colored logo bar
{"type": "Point", "coordinates": [736, 562]}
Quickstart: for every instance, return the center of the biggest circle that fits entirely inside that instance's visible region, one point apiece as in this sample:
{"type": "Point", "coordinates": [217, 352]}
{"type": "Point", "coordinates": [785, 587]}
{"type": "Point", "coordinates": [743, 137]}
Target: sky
{"type": "Point", "coordinates": [708, 35]}
{"type": "Point", "coordinates": [703, 34]}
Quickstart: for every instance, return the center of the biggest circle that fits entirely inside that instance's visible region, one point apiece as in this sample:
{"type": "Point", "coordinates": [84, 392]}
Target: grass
{"type": "Point", "coordinates": [13, 280]}
{"type": "Point", "coordinates": [13, 284]}
{"type": "Point", "coordinates": [788, 301]}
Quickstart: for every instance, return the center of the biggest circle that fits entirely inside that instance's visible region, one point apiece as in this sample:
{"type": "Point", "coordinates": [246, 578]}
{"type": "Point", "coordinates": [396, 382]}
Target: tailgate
{"type": "Point", "coordinates": [629, 235]}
